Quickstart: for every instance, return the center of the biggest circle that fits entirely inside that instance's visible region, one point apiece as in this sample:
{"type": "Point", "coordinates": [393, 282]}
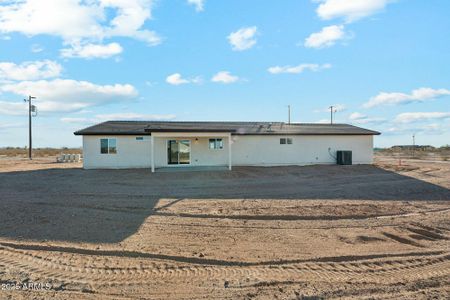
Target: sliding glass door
{"type": "Point", "coordinates": [178, 152]}
{"type": "Point", "coordinates": [172, 151]}
{"type": "Point", "coordinates": [184, 152]}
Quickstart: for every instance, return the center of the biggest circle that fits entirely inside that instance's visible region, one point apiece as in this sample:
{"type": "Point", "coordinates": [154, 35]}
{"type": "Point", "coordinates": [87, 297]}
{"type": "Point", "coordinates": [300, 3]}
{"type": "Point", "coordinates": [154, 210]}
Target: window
{"type": "Point", "coordinates": [139, 138]}
{"type": "Point", "coordinates": [215, 144]}
{"type": "Point", "coordinates": [284, 141]}
{"type": "Point", "coordinates": [108, 146]}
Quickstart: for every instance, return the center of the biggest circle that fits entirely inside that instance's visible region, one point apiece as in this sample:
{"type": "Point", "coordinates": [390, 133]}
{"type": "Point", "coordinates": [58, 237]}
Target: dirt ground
{"type": "Point", "coordinates": [315, 232]}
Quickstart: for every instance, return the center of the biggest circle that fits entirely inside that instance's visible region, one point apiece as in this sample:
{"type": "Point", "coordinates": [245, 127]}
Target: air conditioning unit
{"type": "Point", "coordinates": [343, 157]}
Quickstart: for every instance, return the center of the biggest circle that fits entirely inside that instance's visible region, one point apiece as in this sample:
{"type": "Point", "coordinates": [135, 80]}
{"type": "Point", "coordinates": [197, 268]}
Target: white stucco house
{"type": "Point", "coordinates": [154, 144]}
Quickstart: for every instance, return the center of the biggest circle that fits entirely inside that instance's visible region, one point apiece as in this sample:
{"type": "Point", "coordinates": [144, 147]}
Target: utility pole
{"type": "Point", "coordinates": [31, 108]}
{"type": "Point", "coordinates": [414, 144]}
{"type": "Point", "coordinates": [289, 114]}
{"type": "Point", "coordinates": [331, 112]}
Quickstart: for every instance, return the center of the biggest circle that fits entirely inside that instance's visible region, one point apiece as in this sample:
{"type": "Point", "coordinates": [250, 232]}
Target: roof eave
{"type": "Point", "coordinates": [232, 133]}
{"type": "Point", "coordinates": [189, 130]}
{"type": "Point", "coordinates": [287, 133]}
{"type": "Point", "coordinates": [111, 133]}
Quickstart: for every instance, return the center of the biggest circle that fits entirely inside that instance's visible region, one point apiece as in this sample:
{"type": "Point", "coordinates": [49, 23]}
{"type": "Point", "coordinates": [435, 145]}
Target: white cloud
{"type": "Point", "coordinates": [31, 70]}
{"type": "Point", "coordinates": [350, 10]}
{"type": "Point", "coordinates": [327, 121]}
{"type": "Point", "coordinates": [130, 17]}
{"type": "Point", "coordinates": [65, 95]}
{"type": "Point", "coordinates": [243, 39]}
{"type": "Point", "coordinates": [298, 69]}
{"type": "Point", "coordinates": [224, 77]}
{"type": "Point", "coordinates": [92, 50]}
{"type": "Point", "coordinates": [177, 79]}
{"type": "Point", "coordinates": [418, 95]}
{"type": "Point", "coordinates": [13, 108]}
{"type": "Point", "coordinates": [434, 128]}
{"type": "Point", "coordinates": [74, 20]}
{"type": "Point", "coordinates": [36, 48]}
{"type": "Point", "coordinates": [76, 120]}
{"type": "Point", "coordinates": [411, 117]}
{"type": "Point", "coordinates": [323, 121]}
{"type": "Point", "coordinates": [327, 37]}
{"type": "Point", "coordinates": [118, 116]}
{"type": "Point", "coordinates": [336, 108]}
{"type": "Point", "coordinates": [8, 126]}
{"type": "Point", "coordinates": [359, 118]}
{"type": "Point", "coordinates": [135, 116]}
{"type": "Point", "coordinates": [199, 4]}
{"type": "Point", "coordinates": [68, 19]}
{"type": "Point", "coordinates": [407, 129]}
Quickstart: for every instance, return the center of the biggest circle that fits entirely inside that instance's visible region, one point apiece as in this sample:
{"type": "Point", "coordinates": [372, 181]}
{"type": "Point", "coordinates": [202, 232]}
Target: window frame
{"type": "Point", "coordinates": [110, 149]}
{"type": "Point", "coordinates": [286, 141]}
{"type": "Point", "coordinates": [216, 141]}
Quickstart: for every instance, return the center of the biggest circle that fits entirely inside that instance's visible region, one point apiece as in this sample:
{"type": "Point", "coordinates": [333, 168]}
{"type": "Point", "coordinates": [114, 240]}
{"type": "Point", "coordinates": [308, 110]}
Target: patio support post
{"type": "Point", "coordinates": [229, 151]}
{"type": "Point", "coordinates": [152, 139]}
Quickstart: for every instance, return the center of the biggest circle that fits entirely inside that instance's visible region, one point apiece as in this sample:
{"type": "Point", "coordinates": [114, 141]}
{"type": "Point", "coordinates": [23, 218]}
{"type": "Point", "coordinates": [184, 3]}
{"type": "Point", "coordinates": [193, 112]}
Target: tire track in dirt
{"type": "Point", "coordinates": [402, 240]}
{"type": "Point", "coordinates": [129, 271]}
{"type": "Point", "coordinates": [297, 217]}
{"type": "Point", "coordinates": [104, 257]}
{"type": "Point", "coordinates": [427, 234]}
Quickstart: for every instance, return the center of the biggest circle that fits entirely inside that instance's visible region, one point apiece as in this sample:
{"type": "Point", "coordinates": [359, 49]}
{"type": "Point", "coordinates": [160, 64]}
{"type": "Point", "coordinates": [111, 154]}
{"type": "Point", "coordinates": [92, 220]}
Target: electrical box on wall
{"type": "Point", "coordinates": [343, 157]}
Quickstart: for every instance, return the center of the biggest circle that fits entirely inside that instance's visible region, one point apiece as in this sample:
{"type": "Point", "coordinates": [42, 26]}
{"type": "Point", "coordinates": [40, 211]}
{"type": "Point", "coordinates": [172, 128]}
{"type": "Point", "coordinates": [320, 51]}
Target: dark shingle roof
{"type": "Point", "coordinates": [235, 128]}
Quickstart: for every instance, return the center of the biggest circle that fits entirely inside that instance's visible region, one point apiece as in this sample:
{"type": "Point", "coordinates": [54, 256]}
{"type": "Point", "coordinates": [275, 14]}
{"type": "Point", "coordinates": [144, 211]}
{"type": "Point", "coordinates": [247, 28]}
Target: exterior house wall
{"type": "Point", "coordinates": [130, 153]}
{"type": "Point", "coordinates": [262, 150]}
{"type": "Point", "coordinates": [305, 149]}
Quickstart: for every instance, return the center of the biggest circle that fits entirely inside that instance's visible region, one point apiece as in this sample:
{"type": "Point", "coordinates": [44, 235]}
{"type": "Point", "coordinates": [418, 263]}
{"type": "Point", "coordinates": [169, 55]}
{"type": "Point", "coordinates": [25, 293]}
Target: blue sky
{"type": "Point", "coordinates": [384, 64]}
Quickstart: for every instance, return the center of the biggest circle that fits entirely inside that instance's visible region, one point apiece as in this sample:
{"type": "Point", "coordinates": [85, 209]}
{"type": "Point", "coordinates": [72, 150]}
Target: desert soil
{"type": "Point", "coordinates": [315, 232]}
